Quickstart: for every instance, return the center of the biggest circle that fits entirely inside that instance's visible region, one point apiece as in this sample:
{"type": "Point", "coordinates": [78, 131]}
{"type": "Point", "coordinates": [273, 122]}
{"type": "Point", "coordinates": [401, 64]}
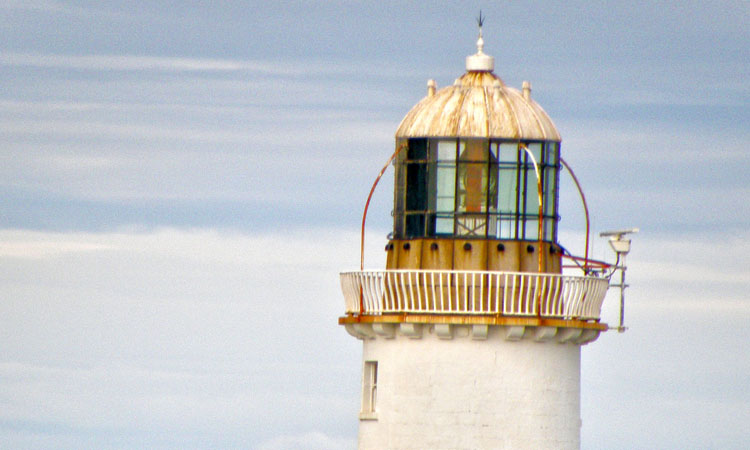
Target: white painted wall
{"type": "Point", "coordinates": [463, 393]}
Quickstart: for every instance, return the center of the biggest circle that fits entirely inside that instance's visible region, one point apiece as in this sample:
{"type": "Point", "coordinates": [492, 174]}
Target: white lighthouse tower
{"type": "Point", "coordinates": [472, 334]}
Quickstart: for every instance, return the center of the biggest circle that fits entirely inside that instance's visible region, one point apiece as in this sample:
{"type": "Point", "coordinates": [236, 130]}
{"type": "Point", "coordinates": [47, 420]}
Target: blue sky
{"type": "Point", "coordinates": [181, 184]}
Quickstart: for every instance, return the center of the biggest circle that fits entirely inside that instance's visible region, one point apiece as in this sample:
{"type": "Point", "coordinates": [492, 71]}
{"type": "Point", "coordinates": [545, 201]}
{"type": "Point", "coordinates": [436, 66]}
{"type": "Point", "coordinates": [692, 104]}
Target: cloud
{"type": "Point", "coordinates": [102, 151]}
{"type": "Point", "coordinates": [58, 9]}
{"type": "Point", "coordinates": [308, 441]}
{"type": "Point", "coordinates": [242, 138]}
{"type": "Point", "coordinates": [134, 63]}
{"type": "Point", "coordinates": [45, 246]}
{"type": "Point", "coordinates": [146, 63]}
{"type": "Point", "coordinates": [618, 141]}
{"type": "Point", "coordinates": [129, 132]}
{"type": "Point", "coordinates": [34, 5]}
{"type": "Point", "coordinates": [680, 363]}
{"type": "Point", "coordinates": [202, 338]}
{"type": "Point", "coordinates": [204, 335]}
{"type": "Point", "coordinates": [230, 339]}
{"type": "Point", "coordinates": [695, 274]}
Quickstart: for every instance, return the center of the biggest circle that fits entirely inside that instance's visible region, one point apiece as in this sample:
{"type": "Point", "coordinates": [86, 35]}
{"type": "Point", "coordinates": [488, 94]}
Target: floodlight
{"type": "Point", "coordinates": [616, 241]}
{"type": "Point", "coordinates": [621, 246]}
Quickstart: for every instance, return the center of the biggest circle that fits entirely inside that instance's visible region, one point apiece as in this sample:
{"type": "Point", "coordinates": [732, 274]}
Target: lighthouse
{"type": "Point", "coordinates": [472, 333]}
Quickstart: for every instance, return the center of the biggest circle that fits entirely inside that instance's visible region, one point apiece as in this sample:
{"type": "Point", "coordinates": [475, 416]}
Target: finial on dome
{"type": "Point", "coordinates": [480, 62]}
{"type": "Point", "coordinates": [480, 41]}
{"type": "Point", "coordinates": [526, 87]}
{"type": "Point", "coordinates": [431, 86]}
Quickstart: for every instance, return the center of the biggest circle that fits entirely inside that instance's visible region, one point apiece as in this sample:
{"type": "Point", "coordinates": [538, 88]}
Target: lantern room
{"type": "Point", "coordinates": [470, 187]}
{"type": "Point", "coordinates": [477, 164]}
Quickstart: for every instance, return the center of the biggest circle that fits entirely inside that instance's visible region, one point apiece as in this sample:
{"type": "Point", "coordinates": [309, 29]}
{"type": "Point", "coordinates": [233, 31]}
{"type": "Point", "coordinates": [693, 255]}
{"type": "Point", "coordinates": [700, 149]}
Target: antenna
{"type": "Point", "coordinates": [480, 62]}
{"type": "Point", "coordinates": [480, 41]}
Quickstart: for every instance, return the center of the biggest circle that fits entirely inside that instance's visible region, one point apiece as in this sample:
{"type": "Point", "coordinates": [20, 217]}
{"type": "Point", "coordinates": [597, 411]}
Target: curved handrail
{"type": "Point", "coordinates": [585, 210]}
{"type": "Point", "coordinates": [367, 206]}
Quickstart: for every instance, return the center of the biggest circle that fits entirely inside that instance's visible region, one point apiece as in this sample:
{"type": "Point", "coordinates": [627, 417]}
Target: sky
{"type": "Point", "coordinates": [180, 185]}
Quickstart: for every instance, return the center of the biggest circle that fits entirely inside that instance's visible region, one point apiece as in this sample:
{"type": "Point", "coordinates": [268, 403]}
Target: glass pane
{"type": "Point", "coordinates": [471, 225]}
{"type": "Point", "coordinates": [536, 150]}
{"type": "Point", "coordinates": [416, 187]}
{"type": "Point", "coordinates": [430, 228]}
{"type": "Point", "coordinates": [414, 225]}
{"type": "Point", "coordinates": [507, 192]}
{"type": "Point", "coordinates": [492, 188]}
{"type": "Point", "coordinates": [493, 226]}
{"type": "Point", "coordinates": [445, 204]}
{"type": "Point", "coordinates": [446, 187]}
{"type": "Point", "coordinates": [472, 187]}
{"type": "Point", "coordinates": [446, 150]}
{"type": "Point", "coordinates": [531, 193]}
{"type": "Point", "coordinates": [475, 150]}
{"type": "Point", "coordinates": [417, 149]}
{"type": "Point", "coordinates": [532, 229]}
{"type": "Point", "coordinates": [507, 229]}
{"type": "Point", "coordinates": [551, 157]}
{"type": "Point", "coordinates": [509, 152]}
{"type": "Point", "coordinates": [472, 175]}
{"type": "Point", "coordinates": [444, 225]}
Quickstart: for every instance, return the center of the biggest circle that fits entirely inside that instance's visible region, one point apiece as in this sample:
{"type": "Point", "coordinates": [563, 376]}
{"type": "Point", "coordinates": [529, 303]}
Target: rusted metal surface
{"type": "Point", "coordinates": [478, 104]}
{"type": "Point", "coordinates": [473, 320]}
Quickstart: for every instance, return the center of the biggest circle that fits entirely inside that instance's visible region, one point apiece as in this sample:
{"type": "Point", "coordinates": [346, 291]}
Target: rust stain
{"type": "Point", "coordinates": [474, 320]}
{"type": "Point", "coordinates": [478, 104]}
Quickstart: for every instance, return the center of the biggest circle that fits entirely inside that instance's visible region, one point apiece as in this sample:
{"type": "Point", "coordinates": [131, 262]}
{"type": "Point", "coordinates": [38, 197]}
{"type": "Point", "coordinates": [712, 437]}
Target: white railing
{"type": "Point", "coordinates": [473, 292]}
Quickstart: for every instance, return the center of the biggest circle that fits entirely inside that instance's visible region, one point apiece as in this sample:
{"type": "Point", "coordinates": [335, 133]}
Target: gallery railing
{"type": "Point", "coordinates": [473, 292]}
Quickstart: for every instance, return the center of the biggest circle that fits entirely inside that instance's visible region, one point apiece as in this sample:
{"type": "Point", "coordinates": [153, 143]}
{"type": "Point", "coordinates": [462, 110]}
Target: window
{"type": "Point", "coordinates": [445, 186]}
{"type": "Point", "coordinates": [476, 188]}
{"type": "Point", "coordinates": [417, 166]}
{"type": "Point", "coordinates": [369, 390]}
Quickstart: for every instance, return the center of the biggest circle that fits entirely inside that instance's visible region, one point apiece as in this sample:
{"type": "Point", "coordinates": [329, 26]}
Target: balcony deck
{"type": "Point", "coordinates": [515, 296]}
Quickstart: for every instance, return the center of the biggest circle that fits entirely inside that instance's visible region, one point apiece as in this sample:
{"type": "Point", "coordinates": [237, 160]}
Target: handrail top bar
{"type": "Point", "coordinates": [479, 272]}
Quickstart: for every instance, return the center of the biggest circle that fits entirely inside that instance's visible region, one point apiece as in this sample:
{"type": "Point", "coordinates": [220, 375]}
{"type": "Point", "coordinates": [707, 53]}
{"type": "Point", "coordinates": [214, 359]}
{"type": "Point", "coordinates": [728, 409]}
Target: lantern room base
{"type": "Point", "coordinates": [477, 327]}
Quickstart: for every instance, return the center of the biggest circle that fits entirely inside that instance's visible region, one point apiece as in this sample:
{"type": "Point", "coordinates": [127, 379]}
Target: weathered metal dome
{"type": "Point", "coordinates": [478, 104]}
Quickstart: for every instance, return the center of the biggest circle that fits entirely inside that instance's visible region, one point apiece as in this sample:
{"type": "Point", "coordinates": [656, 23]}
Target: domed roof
{"type": "Point", "coordinates": [478, 104]}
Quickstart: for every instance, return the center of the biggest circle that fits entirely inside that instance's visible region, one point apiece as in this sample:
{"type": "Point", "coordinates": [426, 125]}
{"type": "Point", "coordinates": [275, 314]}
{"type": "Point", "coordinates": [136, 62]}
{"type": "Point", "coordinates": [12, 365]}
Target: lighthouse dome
{"type": "Point", "coordinates": [478, 105]}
